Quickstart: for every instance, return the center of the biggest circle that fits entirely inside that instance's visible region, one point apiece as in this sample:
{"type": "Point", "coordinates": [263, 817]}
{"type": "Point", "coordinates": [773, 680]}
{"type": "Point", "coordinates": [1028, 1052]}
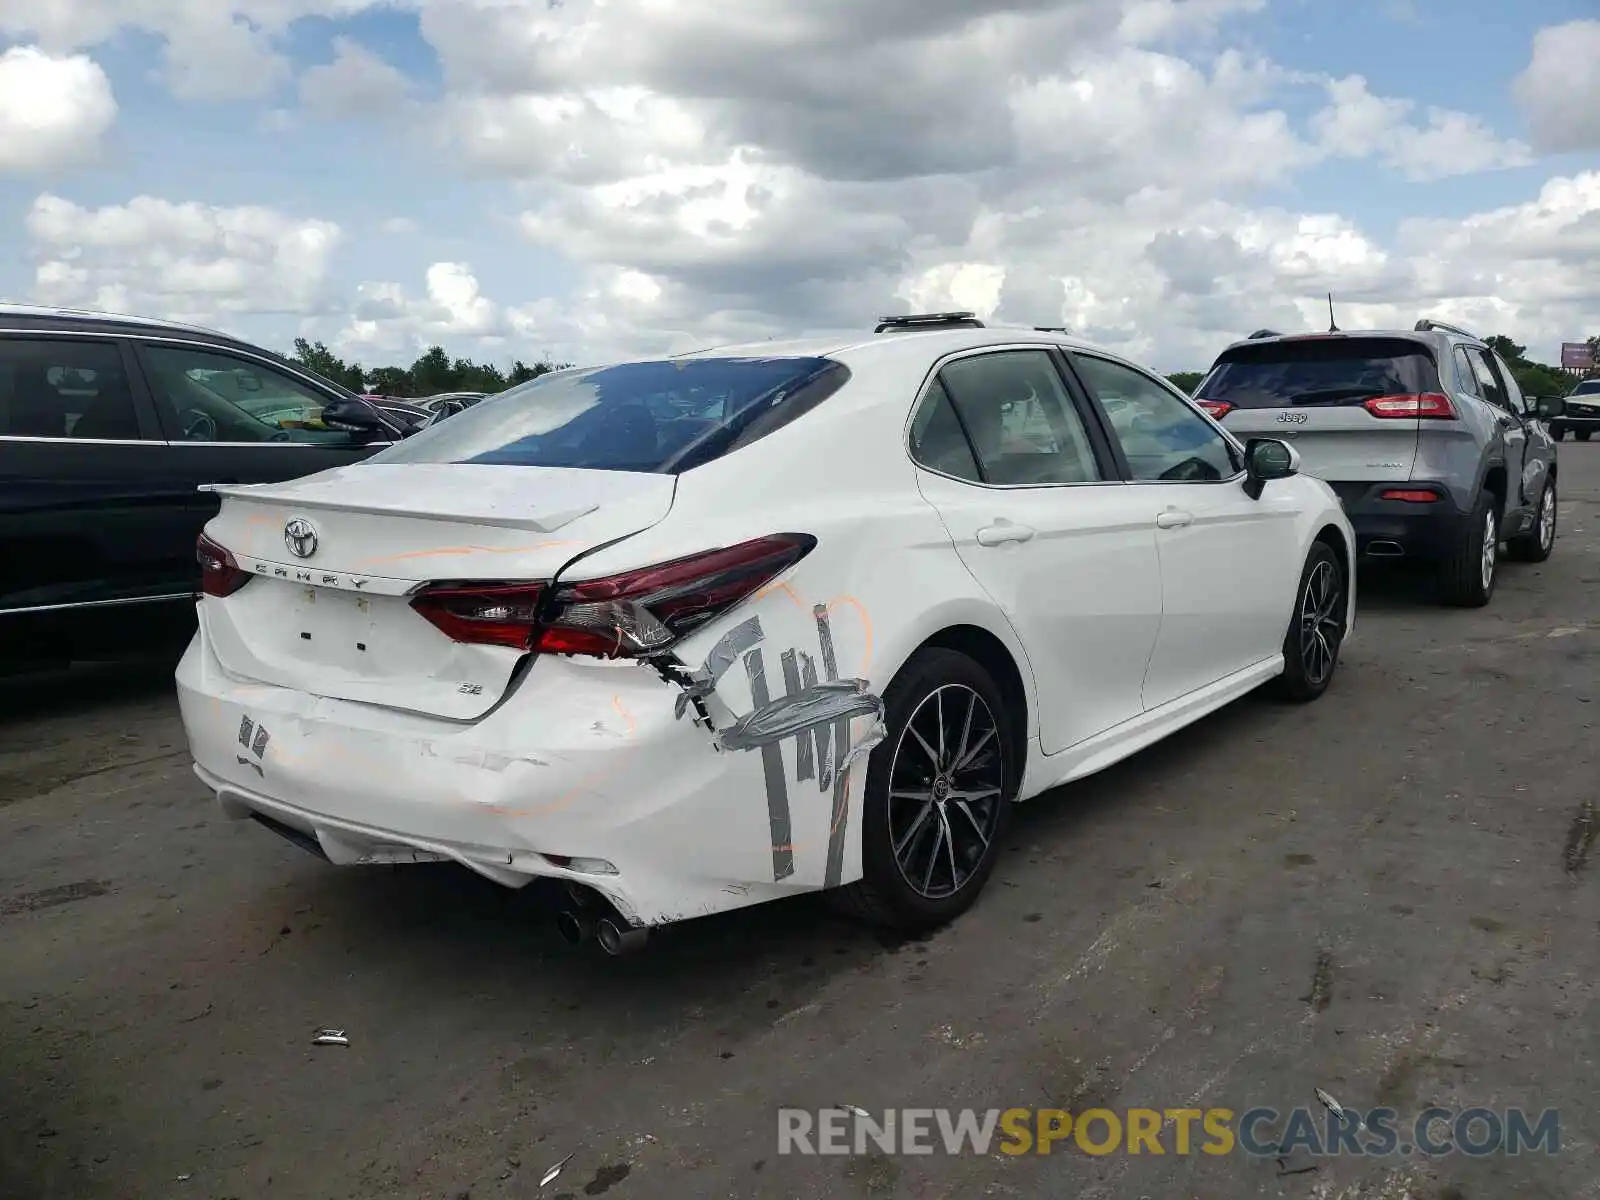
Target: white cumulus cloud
{"type": "Point", "coordinates": [1560, 89]}
{"type": "Point", "coordinates": [179, 259]}
{"type": "Point", "coordinates": [54, 109]}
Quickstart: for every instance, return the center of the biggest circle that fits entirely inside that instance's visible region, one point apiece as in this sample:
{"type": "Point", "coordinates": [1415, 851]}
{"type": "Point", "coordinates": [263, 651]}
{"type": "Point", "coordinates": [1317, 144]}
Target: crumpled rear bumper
{"type": "Point", "coordinates": [606, 786]}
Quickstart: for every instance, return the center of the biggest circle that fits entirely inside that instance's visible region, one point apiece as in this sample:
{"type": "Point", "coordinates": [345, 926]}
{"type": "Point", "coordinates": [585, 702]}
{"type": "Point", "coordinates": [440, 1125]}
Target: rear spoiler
{"type": "Point", "coordinates": [267, 493]}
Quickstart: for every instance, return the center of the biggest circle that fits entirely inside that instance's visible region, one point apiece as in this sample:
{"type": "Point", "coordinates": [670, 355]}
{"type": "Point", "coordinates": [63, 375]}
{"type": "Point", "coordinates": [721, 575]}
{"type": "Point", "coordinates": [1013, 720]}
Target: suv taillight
{"type": "Point", "coordinates": [1217, 408]}
{"type": "Point", "coordinates": [1434, 406]}
{"type": "Point", "coordinates": [620, 616]}
{"type": "Point", "coordinates": [220, 575]}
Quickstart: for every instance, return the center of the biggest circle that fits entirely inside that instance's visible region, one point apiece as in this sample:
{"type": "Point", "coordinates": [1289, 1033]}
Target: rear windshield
{"type": "Point", "coordinates": [1317, 373]}
{"type": "Point", "coordinates": [660, 417]}
{"type": "Point", "coordinates": [1588, 387]}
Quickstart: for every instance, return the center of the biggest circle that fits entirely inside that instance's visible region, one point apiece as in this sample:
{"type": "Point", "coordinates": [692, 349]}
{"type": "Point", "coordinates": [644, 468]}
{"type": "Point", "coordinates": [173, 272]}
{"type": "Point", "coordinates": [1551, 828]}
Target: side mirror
{"type": "Point", "coordinates": [1266, 459]}
{"type": "Point", "coordinates": [1550, 407]}
{"type": "Point", "coordinates": [357, 417]}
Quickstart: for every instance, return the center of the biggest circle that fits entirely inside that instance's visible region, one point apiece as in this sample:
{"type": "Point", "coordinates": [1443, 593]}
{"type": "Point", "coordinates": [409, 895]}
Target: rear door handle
{"type": "Point", "coordinates": [1173, 519]}
{"type": "Point", "coordinates": [999, 535]}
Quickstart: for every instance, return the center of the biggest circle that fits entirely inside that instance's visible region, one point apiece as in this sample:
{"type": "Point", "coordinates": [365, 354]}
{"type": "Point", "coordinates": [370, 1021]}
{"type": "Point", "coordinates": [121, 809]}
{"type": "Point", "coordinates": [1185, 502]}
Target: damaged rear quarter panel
{"type": "Point", "coordinates": [791, 681]}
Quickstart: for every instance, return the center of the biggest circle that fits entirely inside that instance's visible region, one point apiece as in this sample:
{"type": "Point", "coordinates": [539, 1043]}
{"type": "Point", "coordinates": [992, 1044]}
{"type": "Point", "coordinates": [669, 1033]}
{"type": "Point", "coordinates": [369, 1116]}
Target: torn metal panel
{"type": "Point", "coordinates": [742, 638]}
{"type": "Point", "coordinates": [772, 767]}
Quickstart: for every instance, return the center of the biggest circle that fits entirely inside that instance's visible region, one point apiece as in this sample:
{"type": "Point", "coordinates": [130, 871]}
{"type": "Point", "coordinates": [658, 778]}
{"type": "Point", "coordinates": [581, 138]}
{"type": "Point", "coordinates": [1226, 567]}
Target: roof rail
{"type": "Point", "coordinates": [1051, 329]}
{"type": "Point", "coordinates": [1427, 326]}
{"type": "Point", "coordinates": [1263, 333]}
{"type": "Point", "coordinates": [944, 320]}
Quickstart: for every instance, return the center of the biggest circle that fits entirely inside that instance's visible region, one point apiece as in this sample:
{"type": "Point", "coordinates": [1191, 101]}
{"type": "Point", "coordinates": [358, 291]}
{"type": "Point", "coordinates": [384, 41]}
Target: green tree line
{"type": "Point", "coordinates": [433, 372]}
{"type": "Point", "coordinates": [1533, 378]}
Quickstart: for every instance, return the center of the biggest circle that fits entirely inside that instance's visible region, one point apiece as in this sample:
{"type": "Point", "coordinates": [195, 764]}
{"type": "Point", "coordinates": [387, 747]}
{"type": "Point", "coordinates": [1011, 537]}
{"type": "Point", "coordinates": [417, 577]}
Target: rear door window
{"type": "Point", "coordinates": [1332, 372]}
{"type": "Point", "coordinates": [1021, 422]}
{"type": "Point", "coordinates": [65, 388]}
{"type": "Point", "coordinates": [660, 417]}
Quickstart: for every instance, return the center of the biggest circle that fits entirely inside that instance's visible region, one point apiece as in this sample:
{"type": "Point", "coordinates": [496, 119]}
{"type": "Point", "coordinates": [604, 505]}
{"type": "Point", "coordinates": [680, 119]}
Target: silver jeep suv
{"type": "Point", "coordinates": [1423, 434]}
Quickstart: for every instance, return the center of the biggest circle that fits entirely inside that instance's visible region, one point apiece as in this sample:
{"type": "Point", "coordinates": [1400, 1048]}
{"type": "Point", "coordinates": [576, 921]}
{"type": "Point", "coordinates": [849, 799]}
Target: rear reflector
{"type": "Point", "coordinates": [1412, 497]}
{"type": "Point", "coordinates": [220, 574]}
{"type": "Point", "coordinates": [621, 616]}
{"type": "Point", "coordinates": [1217, 408]}
{"type": "Point", "coordinates": [1433, 406]}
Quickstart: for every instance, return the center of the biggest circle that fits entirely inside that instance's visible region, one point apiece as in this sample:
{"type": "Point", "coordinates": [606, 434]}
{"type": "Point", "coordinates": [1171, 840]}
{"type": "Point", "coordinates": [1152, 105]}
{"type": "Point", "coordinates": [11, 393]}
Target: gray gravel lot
{"type": "Point", "coordinates": [1387, 895]}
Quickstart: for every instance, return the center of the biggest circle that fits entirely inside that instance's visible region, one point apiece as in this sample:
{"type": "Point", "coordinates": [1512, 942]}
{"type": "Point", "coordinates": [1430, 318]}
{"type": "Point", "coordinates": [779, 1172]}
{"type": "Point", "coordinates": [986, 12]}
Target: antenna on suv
{"type": "Point", "coordinates": [1333, 326]}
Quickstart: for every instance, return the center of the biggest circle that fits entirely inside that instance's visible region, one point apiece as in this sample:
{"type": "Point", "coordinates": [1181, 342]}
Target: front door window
{"type": "Point", "coordinates": [206, 396]}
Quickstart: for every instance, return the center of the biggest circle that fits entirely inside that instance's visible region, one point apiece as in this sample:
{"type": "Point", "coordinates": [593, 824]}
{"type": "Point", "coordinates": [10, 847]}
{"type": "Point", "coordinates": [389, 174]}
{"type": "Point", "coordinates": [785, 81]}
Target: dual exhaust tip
{"type": "Point", "coordinates": [576, 928]}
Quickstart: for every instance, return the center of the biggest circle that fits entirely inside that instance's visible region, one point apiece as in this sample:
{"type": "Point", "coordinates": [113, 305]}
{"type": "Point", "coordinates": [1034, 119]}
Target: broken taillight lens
{"type": "Point", "coordinates": [496, 614]}
{"type": "Point", "coordinates": [620, 616]}
{"type": "Point", "coordinates": [220, 575]}
{"type": "Point", "coordinates": [1434, 406]}
{"type": "Point", "coordinates": [644, 611]}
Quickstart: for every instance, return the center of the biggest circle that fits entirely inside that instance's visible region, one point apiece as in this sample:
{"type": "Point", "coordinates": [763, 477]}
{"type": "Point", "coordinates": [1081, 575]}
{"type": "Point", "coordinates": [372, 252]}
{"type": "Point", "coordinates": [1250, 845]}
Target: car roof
{"type": "Point", "coordinates": [916, 347]}
{"type": "Point", "coordinates": [1426, 337]}
{"type": "Point", "coordinates": [42, 316]}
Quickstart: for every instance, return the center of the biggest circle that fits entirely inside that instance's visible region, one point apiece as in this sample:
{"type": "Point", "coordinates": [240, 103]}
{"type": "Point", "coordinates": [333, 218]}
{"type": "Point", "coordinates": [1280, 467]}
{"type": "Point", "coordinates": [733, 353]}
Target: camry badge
{"type": "Point", "coordinates": [300, 537]}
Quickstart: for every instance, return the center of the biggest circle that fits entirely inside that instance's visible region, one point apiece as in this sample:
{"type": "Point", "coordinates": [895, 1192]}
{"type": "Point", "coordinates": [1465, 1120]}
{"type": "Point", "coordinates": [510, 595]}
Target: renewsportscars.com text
{"type": "Point", "coordinates": [1258, 1132]}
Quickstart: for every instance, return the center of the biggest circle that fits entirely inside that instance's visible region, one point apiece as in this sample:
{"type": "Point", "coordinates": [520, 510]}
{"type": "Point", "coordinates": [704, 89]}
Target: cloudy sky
{"type": "Point", "coordinates": [591, 178]}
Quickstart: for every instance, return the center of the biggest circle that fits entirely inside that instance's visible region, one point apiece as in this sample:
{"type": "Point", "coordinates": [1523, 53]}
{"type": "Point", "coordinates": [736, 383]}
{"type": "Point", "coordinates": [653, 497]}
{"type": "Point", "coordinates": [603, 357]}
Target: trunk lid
{"type": "Point", "coordinates": [1311, 392]}
{"type": "Point", "coordinates": [332, 616]}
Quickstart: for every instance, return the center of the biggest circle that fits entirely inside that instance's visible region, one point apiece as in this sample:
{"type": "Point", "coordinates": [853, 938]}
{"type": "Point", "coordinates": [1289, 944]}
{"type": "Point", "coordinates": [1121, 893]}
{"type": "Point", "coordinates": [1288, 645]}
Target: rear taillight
{"type": "Point", "coordinates": [621, 616]}
{"type": "Point", "coordinates": [495, 614]}
{"type": "Point", "coordinates": [1217, 408]}
{"type": "Point", "coordinates": [1433, 406]}
{"type": "Point", "coordinates": [220, 575]}
{"type": "Point", "coordinates": [645, 611]}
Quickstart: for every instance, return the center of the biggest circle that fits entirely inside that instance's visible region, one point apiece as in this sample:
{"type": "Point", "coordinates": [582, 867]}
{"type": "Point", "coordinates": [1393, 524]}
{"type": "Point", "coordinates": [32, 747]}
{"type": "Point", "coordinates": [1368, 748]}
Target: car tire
{"type": "Point", "coordinates": [1468, 573]}
{"type": "Point", "coordinates": [896, 892]}
{"type": "Point", "coordinates": [1316, 628]}
{"type": "Point", "coordinates": [1535, 545]}
{"type": "Point", "coordinates": [1582, 434]}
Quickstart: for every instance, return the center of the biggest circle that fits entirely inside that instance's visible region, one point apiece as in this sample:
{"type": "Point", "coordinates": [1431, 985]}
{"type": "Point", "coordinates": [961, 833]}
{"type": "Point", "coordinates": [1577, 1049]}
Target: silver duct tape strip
{"type": "Point", "coordinates": [742, 638]}
{"type": "Point", "coordinates": [778, 818]}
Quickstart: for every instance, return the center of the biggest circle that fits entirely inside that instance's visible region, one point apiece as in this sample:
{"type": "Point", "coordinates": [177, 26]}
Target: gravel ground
{"type": "Point", "coordinates": [1386, 895]}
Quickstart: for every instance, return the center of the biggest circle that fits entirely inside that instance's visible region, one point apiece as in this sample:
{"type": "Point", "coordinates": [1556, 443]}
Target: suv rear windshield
{"type": "Point", "coordinates": [1320, 372]}
{"type": "Point", "coordinates": [660, 417]}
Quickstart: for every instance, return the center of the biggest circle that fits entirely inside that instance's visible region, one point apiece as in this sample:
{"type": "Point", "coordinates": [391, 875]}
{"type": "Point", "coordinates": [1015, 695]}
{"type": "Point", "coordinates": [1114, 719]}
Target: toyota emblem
{"type": "Point", "coordinates": [300, 537]}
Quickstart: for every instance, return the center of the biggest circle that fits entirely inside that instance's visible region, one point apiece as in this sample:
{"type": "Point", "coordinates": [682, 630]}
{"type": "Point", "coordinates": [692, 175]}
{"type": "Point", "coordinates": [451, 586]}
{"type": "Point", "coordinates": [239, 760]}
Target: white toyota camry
{"type": "Point", "coordinates": [697, 633]}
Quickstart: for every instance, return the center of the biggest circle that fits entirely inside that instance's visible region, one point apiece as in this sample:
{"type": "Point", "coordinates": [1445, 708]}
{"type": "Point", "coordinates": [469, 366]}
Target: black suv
{"type": "Point", "coordinates": [108, 427]}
